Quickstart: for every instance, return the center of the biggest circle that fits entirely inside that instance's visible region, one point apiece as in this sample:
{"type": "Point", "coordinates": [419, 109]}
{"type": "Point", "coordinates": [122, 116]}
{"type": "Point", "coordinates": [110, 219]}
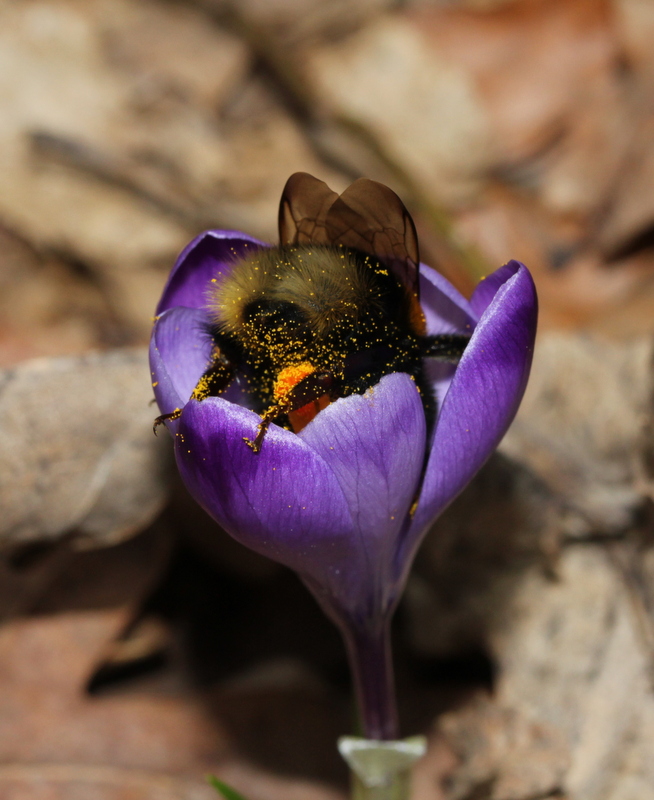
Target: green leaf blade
{"type": "Point", "coordinates": [223, 789]}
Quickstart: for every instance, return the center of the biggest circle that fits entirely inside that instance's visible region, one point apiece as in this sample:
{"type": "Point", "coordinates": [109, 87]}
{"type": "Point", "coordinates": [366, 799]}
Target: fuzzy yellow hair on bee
{"type": "Point", "coordinates": [327, 285]}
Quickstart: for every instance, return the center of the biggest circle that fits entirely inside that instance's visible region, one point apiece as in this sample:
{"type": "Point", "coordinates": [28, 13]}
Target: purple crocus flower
{"type": "Point", "coordinates": [345, 502]}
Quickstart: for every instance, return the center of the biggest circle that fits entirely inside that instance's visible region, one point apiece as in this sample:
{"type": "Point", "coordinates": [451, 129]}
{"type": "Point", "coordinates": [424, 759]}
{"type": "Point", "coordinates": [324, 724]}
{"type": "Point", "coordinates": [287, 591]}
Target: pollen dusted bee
{"type": "Point", "coordinates": [326, 314]}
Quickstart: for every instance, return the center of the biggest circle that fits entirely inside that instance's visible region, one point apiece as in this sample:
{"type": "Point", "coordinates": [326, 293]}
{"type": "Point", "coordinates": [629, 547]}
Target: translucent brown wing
{"type": "Point", "coordinates": [370, 217]}
{"type": "Point", "coordinates": [303, 210]}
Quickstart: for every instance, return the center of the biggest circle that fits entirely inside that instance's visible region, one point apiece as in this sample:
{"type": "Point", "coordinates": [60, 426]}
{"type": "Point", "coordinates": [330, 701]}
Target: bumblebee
{"type": "Point", "coordinates": [326, 314]}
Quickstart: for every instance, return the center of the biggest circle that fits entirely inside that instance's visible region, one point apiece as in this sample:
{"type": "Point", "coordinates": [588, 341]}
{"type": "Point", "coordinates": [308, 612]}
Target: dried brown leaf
{"type": "Point", "coordinates": [572, 656]}
{"type": "Point", "coordinates": [512, 756]}
{"type": "Point", "coordinates": [532, 61]}
{"type": "Point", "coordinates": [77, 454]}
{"type": "Point", "coordinates": [57, 743]}
{"type": "Point", "coordinates": [584, 425]}
{"type": "Point", "coordinates": [424, 111]}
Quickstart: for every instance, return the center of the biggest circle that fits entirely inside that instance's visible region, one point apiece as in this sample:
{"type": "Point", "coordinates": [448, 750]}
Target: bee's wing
{"type": "Point", "coordinates": [303, 210]}
{"type": "Point", "coordinates": [371, 217]}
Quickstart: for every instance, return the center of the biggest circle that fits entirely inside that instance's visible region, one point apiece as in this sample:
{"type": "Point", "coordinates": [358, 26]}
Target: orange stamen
{"type": "Point", "coordinates": [286, 380]}
{"type": "Point", "coordinates": [290, 377]}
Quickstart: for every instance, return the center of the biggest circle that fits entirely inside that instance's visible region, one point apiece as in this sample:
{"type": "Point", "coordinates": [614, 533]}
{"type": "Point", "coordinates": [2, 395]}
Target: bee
{"type": "Point", "coordinates": [328, 313]}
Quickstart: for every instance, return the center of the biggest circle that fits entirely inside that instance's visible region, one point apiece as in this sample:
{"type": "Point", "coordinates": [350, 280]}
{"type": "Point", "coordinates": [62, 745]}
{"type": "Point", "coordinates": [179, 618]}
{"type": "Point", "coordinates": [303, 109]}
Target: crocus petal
{"type": "Point", "coordinates": [374, 444]}
{"type": "Point", "coordinates": [445, 309]}
{"type": "Point", "coordinates": [180, 349]}
{"type": "Point", "coordinates": [333, 501]}
{"type": "Point", "coordinates": [296, 500]}
{"type": "Point", "coordinates": [439, 374]}
{"type": "Point", "coordinates": [481, 403]}
{"type": "Point", "coordinates": [283, 502]}
{"type": "Point", "coordinates": [209, 255]}
{"type": "Point", "coordinates": [488, 287]}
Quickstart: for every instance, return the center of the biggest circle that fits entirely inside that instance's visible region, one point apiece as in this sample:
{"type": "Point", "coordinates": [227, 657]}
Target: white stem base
{"type": "Point", "coordinates": [381, 769]}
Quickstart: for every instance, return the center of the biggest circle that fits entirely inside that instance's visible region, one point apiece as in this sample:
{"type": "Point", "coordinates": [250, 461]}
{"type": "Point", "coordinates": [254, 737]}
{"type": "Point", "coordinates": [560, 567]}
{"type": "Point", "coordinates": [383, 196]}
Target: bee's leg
{"type": "Point", "coordinates": [176, 414]}
{"type": "Point", "coordinates": [213, 382]}
{"type": "Point", "coordinates": [444, 346]}
{"type": "Point", "coordinates": [216, 379]}
{"type": "Point", "coordinates": [308, 390]}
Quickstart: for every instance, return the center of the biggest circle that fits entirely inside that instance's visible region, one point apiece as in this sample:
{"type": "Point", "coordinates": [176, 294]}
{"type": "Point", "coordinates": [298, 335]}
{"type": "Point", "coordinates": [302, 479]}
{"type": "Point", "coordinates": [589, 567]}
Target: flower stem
{"type": "Point", "coordinates": [371, 665]}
